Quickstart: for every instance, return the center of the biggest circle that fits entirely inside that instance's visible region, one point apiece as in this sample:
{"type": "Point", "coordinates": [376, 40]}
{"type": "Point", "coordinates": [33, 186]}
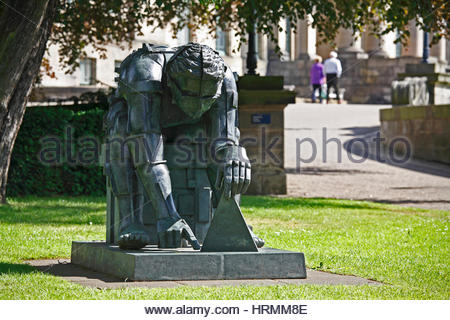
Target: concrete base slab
{"type": "Point", "coordinates": [151, 263]}
{"type": "Point", "coordinates": [93, 279]}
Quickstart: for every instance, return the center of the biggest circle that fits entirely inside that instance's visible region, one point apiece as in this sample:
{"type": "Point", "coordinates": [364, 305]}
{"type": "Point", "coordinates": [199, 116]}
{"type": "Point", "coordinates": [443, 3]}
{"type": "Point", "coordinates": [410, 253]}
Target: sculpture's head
{"type": "Point", "coordinates": [194, 75]}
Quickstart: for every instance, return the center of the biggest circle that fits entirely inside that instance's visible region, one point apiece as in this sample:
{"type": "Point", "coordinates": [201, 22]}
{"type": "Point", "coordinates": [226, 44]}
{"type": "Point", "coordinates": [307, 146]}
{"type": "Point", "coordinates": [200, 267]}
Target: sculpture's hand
{"type": "Point", "coordinates": [234, 174]}
{"type": "Point", "coordinates": [171, 237]}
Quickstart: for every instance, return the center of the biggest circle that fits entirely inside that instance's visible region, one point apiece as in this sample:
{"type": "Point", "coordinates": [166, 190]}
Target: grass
{"type": "Point", "coordinates": [405, 248]}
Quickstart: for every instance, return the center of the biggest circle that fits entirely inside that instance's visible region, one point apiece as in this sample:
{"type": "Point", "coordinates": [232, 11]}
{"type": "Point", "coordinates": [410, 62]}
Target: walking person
{"type": "Point", "coordinates": [317, 78]}
{"type": "Point", "coordinates": [333, 70]}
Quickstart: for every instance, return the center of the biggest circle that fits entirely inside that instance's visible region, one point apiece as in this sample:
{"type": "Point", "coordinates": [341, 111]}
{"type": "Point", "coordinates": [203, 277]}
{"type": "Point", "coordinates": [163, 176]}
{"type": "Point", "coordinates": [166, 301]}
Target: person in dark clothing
{"type": "Point", "coordinates": [333, 70]}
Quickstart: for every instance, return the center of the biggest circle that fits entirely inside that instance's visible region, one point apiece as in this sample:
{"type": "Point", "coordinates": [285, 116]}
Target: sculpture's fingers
{"type": "Point", "coordinates": [241, 177]}
{"type": "Point", "coordinates": [228, 180]}
{"type": "Point", "coordinates": [190, 237]}
{"type": "Point", "coordinates": [219, 178]}
{"type": "Point", "coordinates": [235, 182]}
{"type": "Point", "coordinates": [248, 177]}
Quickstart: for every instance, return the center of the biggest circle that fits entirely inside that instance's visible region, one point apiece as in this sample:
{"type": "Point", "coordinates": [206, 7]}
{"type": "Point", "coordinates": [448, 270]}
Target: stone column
{"type": "Point", "coordinates": [274, 63]}
{"type": "Point", "coordinates": [271, 53]}
{"type": "Point", "coordinates": [438, 50]}
{"type": "Point", "coordinates": [350, 45]}
{"type": "Point", "coordinates": [376, 46]}
{"type": "Point", "coordinates": [262, 46]}
{"type": "Point", "coordinates": [282, 40]}
{"type": "Point", "coordinates": [305, 40]}
{"type": "Point", "coordinates": [447, 50]}
{"type": "Point", "coordinates": [263, 54]}
{"type": "Point", "coordinates": [414, 48]}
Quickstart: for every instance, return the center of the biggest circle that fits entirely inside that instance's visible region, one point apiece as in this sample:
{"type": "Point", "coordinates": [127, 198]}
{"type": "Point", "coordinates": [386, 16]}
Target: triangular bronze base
{"type": "Point", "coordinates": [228, 231]}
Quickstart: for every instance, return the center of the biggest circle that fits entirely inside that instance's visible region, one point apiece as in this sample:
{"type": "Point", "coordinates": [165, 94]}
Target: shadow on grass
{"type": "Point", "coordinates": [15, 268]}
{"type": "Point", "coordinates": [51, 213]}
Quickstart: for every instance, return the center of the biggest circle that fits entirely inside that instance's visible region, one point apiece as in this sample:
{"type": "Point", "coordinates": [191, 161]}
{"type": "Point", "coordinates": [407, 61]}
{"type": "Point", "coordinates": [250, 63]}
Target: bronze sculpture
{"type": "Point", "coordinates": [164, 96]}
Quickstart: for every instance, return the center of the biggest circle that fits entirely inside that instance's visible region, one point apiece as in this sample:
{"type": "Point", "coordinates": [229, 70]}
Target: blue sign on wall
{"type": "Point", "coordinates": [261, 118]}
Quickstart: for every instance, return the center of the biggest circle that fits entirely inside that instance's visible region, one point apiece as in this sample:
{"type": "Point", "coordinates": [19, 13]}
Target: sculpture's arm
{"type": "Point", "coordinates": [234, 169]}
{"type": "Point", "coordinates": [140, 84]}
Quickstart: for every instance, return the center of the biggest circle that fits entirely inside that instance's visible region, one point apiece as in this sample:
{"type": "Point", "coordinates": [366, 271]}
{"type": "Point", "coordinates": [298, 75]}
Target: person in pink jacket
{"type": "Point", "coordinates": [317, 78]}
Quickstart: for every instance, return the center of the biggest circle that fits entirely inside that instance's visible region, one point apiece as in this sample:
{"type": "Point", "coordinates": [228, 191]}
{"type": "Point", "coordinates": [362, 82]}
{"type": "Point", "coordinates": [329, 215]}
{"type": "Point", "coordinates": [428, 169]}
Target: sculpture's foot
{"type": "Point", "coordinates": [258, 241]}
{"type": "Point", "coordinates": [133, 238]}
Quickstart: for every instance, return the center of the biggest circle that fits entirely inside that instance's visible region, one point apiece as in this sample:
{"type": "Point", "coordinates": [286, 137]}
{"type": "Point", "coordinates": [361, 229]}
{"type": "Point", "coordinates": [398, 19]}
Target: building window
{"type": "Point", "coordinates": [87, 71]}
{"type": "Point", "coordinates": [221, 41]}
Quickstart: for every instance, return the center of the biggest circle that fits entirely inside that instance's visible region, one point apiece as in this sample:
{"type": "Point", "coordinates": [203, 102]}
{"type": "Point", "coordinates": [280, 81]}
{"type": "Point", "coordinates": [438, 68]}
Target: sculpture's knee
{"type": "Point", "coordinates": [158, 174]}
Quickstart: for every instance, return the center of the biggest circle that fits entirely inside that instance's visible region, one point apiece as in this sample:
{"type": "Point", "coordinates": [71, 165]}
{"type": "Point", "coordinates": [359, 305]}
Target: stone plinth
{"type": "Point", "coordinates": [438, 80]}
{"type": "Point", "coordinates": [261, 121]}
{"type": "Point", "coordinates": [410, 92]}
{"type": "Point", "coordinates": [152, 263]}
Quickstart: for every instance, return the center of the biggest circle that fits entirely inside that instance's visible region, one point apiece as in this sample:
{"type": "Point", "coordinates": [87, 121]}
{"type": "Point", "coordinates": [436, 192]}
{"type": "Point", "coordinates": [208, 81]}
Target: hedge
{"type": "Point", "coordinates": [29, 175]}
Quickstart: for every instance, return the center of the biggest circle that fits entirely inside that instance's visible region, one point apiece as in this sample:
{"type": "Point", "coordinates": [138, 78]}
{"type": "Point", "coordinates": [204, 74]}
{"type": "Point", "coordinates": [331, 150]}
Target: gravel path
{"type": "Point", "coordinates": [415, 183]}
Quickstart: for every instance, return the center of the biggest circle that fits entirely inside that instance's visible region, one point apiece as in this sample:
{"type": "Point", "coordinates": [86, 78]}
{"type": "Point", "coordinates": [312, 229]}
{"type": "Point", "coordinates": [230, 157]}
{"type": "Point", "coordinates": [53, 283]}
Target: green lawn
{"type": "Point", "coordinates": [407, 249]}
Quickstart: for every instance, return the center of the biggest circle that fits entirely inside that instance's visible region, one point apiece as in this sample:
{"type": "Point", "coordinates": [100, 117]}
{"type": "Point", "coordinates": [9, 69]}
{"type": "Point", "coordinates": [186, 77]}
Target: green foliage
{"type": "Point", "coordinates": [29, 175]}
{"type": "Point", "coordinates": [402, 247]}
{"type": "Point", "coordinates": [97, 23]}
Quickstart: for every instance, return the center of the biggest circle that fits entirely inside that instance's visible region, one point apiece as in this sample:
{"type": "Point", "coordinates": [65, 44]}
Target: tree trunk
{"type": "Point", "coordinates": [24, 30]}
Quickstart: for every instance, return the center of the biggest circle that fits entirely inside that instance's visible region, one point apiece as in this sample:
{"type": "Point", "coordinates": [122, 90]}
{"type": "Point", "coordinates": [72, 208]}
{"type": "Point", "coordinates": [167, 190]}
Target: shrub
{"type": "Point", "coordinates": [29, 175]}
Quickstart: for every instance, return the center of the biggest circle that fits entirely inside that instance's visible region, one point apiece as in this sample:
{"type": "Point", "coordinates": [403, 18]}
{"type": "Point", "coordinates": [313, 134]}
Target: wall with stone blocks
{"type": "Point", "coordinates": [264, 143]}
{"type": "Point", "coordinates": [261, 122]}
{"type": "Point", "coordinates": [427, 128]}
{"type": "Point", "coordinates": [364, 80]}
{"type": "Point", "coordinates": [295, 72]}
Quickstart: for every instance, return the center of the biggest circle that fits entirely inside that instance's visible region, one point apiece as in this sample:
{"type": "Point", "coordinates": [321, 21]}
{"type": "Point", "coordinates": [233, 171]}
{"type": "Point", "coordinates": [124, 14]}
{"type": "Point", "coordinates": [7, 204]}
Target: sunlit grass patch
{"type": "Point", "coordinates": [403, 247]}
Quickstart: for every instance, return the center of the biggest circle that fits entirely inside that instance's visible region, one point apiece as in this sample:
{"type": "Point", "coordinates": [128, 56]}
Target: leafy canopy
{"type": "Point", "coordinates": [100, 22]}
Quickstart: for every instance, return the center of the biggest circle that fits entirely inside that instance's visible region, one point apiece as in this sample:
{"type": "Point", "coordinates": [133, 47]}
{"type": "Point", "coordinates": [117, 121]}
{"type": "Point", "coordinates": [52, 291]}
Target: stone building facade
{"type": "Point", "coordinates": [369, 63]}
{"type": "Point", "coordinates": [95, 73]}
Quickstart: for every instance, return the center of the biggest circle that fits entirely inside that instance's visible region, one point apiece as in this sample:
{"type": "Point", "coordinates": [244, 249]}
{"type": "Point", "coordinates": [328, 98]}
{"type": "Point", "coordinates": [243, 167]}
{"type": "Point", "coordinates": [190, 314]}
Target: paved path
{"type": "Point", "coordinates": [79, 275]}
{"type": "Point", "coordinates": [416, 183]}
